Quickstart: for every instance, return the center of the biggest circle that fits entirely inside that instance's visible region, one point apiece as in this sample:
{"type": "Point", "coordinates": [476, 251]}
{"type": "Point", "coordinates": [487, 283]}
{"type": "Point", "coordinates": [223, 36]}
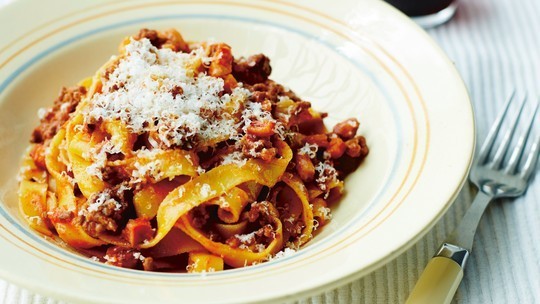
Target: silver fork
{"type": "Point", "coordinates": [494, 179]}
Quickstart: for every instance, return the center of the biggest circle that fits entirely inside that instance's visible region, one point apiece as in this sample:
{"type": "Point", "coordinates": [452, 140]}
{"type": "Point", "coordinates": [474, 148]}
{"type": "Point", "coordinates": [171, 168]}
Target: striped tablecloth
{"type": "Point", "coordinates": [495, 44]}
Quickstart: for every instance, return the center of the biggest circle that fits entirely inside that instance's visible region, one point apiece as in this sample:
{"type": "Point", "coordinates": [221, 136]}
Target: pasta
{"type": "Point", "coordinates": [176, 156]}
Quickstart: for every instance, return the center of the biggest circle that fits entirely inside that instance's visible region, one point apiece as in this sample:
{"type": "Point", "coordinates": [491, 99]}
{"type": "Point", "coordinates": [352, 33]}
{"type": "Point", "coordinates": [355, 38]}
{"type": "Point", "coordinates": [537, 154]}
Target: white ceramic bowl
{"type": "Point", "coordinates": [349, 58]}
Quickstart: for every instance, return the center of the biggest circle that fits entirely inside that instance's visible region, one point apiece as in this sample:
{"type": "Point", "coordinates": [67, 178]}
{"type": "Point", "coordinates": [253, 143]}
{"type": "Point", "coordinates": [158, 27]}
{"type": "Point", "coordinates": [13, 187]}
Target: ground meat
{"type": "Point", "coordinates": [251, 70]}
{"type": "Point", "coordinates": [321, 140]}
{"type": "Point", "coordinates": [304, 167]}
{"type": "Point", "coordinates": [109, 70]}
{"type": "Point", "coordinates": [38, 156]}
{"type": "Point", "coordinates": [336, 146]}
{"type": "Point", "coordinates": [356, 151]}
{"type": "Point", "coordinates": [137, 231]}
{"type": "Point", "coordinates": [264, 235]}
{"type": "Point", "coordinates": [151, 35]}
{"type": "Point", "coordinates": [261, 129]}
{"type": "Point", "coordinates": [148, 264]}
{"type": "Point", "coordinates": [200, 216]}
{"type": "Point", "coordinates": [60, 215]}
{"type": "Point", "coordinates": [103, 211]}
{"type": "Point", "coordinates": [261, 211]}
{"type": "Point", "coordinates": [347, 129]}
{"type": "Point", "coordinates": [213, 157]}
{"type": "Point", "coordinates": [123, 257]}
{"type": "Point", "coordinates": [307, 121]}
{"type": "Point", "coordinates": [222, 60]}
{"type": "Point", "coordinates": [177, 90]}
{"type": "Point", "coordinates": [293, 229]}
{"type": "Point", "coordinates": [255, 147]}
{"type": "Point", "coordinates": [270, 90]}
{"type": "Point", "coordinates": [357, 147]}
{"type": "Point", "coordinates": [56, 116]}
{"type": "Point", "coordinates": [115, 175]}
{"type": "Point", "coordinates": [166, 39]}
{"type": "Point", "coordinates": [233, 241]}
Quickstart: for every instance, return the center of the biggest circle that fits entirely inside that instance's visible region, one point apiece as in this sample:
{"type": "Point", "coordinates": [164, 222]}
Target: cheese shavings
{"type": "Point", "coordinates": [286, 252]}
{"type": "Point", "coordinates": [149, 169]}
{"type": "Point", "coordinates": [99, 157]}
{"type": "Point", "coordinates": [102, 199]}
{"type": "Point", "coordinates": [325, 212]}
{"type": "Point", "coordinates": [326, 174]}
{"type": "Point", "coordinates": [246, 238]}
{"type": "Point", "coordinates": [139, 256]}
{"type": "Point", "coordinates": [206, 190]}
{"type": "Point", "coordinates": [309, 149]}
{"type": "Point", "coordinates": [158, 90]}
{"type": "Point", "coordinates": [253, 111]}
{"type": "Point", "coordinates": [235, 157]}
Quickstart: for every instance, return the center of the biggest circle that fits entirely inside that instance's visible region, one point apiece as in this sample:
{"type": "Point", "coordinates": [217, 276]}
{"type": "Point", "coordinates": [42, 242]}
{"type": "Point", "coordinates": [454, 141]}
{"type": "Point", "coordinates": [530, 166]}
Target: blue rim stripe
{"type": "Point", "coordinates": [87, 34]}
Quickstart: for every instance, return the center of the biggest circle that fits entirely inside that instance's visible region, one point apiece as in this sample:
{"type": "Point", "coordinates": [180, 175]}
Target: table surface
{"type": "Point", "coordinates": [495, 45]}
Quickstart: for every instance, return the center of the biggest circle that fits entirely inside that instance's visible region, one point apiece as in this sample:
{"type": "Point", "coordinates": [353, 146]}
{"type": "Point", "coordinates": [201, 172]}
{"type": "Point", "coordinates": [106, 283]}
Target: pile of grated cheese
{"type": "Point", "coordinates": [158, 90]}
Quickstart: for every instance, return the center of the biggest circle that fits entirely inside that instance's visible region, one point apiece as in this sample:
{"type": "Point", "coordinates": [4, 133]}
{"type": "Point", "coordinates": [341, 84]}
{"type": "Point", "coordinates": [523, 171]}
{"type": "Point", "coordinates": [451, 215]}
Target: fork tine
{"type": "Point", "coordinates": [488, 143]}
{"type": "Point", "coordinates": [507, 137]}
{"type": "Point", "coordinates": [530, 164]}
{"type": "Point", "coordinates": [520, 146]}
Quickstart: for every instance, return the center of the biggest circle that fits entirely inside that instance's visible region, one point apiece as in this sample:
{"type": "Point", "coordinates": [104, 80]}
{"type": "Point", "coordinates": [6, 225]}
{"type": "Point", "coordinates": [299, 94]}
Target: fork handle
{"type": "Point", "coordinates": [441, 277]}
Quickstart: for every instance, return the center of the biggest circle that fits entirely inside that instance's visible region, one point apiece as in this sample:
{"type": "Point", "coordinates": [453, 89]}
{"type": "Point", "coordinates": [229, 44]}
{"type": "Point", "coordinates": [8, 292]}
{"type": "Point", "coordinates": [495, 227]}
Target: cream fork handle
{"type": "Point", "coordinates": [440, 280]}
{"type": "Point", "coordinates": [438, 283]}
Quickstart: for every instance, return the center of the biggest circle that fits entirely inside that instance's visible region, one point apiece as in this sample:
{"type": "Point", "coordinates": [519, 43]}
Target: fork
{"type": "Point", "coordinates": [494, 178]}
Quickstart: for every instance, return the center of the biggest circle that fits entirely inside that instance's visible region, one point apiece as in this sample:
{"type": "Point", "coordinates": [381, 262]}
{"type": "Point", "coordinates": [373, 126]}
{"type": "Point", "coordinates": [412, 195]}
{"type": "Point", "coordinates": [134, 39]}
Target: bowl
{"type": "Point", "coordinates": [358, 59]}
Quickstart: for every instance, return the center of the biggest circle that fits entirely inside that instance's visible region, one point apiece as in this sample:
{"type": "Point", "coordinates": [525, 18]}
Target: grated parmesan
{"type": "Point", "coordinates": [309, 150]}
{"type": "Point", "coordinates": [152, 168]}
{"type": "Point", "coordinates": [286, 252]}
{"type": "Point", "coordinates": [260, 248]}
{"type": "Point", "coordinates": [223, 203]}
{"type": "Point", "coordinates": [139, 92]}
{"type": "Point", "coordinates": [315, 224]}
{"type": "Point", "coordinates": [235, 157]}
{"type": "Point", "coordinates": [139, 256]}
{"type": "Point", "coordinates": [246, 238]}
{"type": "Point", "coordinates": [326, 172]}
{"type": "Point", "coordinates": [206, 190]}
{"type": "Point", "coordinates": [253, 111]}
{"type": "Point", "coordinates": [290, 219]}
{"type": "Point", "coordinates": [325, 212]}
{"type": "Point", "coordinates": [42, 112]}
{"type": "Point", "coordinates": [102, 198]}
{"type": "Point", "coordinates": [99, 157]}
{"type": "Point", "coordinates": [35, 219]}
{"type": "Point", "coordinates": [110, 259]}
{"type": "Point", "coordinates": [200, 170]}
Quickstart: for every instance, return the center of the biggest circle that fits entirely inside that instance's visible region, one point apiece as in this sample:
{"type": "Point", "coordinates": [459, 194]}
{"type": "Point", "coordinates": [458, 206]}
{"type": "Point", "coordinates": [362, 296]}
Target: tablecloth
{"type": "Point", "coordinates": [495, 45]}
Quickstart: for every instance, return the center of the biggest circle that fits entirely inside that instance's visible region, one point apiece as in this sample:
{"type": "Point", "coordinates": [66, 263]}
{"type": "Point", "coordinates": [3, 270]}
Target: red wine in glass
{"type": "Point", "coordinates": [427, 13]}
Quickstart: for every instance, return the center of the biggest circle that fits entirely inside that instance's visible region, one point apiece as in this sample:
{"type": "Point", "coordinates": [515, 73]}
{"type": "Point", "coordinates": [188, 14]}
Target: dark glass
{"type": "Point", "coordinates": [417, 8]}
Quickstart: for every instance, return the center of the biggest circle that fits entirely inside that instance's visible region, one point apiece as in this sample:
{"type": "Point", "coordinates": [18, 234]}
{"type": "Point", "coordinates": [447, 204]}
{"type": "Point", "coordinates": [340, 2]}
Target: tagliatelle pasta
{"type": "Point", "coordinates": [177, 156]}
